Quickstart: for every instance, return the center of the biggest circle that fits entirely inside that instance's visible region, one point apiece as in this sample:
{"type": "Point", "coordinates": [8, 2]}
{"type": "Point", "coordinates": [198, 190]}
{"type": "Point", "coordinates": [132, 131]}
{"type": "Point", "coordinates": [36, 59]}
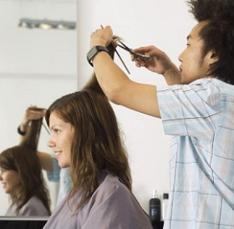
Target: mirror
{"type": "Point", "coordinates": [36, 67]}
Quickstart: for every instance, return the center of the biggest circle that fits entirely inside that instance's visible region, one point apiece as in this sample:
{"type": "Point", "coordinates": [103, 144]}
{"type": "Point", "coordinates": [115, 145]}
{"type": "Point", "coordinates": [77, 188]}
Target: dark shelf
{"type": "Point", "coordinates": [22, 224]}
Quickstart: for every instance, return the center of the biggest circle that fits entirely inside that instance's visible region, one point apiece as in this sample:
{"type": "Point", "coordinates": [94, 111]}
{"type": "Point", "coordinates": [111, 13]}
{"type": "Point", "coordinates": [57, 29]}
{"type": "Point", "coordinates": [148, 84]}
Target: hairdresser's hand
{"type": "Point", "coordinates": [159, 61]}
{"type": "Point", "coordinates": [102, 36]}
{"type": "Point", "coordinates": [32, 113]}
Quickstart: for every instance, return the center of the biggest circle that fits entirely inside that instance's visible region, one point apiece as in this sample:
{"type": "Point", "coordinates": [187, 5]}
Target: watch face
{"type": "Point", "coordinates": [94, 51]}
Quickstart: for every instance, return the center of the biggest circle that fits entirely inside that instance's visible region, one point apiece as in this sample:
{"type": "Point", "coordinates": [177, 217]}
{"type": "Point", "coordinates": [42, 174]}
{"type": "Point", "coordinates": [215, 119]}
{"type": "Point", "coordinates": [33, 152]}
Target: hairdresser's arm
{"type": "Point", "coordinates": [115, 83]}
{"type": "Point", "coordinates": [45, 161]}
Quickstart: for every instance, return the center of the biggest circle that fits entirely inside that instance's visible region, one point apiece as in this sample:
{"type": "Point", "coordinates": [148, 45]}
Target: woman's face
{"type": "Point", "coordinates": [61, 139]}
{"type": "Point", "coordinates": [10, 180]}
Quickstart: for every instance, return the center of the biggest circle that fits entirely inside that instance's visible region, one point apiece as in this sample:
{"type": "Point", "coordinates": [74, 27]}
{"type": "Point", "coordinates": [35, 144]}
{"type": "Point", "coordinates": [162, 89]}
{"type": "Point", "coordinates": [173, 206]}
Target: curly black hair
{"type": "Point", "coordinates": [218, 34]}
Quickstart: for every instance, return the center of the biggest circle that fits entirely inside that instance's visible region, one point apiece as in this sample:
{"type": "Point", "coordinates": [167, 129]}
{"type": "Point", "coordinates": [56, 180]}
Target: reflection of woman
{"type": "Point", "coordinates": [22, 179]}
{"type": "Point", "coordinates": [85, 136]}
{"type": "Point", "coordinates": [27, 129]}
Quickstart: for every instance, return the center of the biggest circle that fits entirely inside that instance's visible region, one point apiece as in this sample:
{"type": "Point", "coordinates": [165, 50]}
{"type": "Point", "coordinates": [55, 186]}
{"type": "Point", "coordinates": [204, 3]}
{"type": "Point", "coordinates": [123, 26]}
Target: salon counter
{"type": "Point", "coordinates": [22, 223]}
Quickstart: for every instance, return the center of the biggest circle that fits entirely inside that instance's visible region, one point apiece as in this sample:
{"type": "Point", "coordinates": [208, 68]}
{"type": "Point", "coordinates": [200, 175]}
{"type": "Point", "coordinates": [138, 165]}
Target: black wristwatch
{"type": "Point", "coordinates": [94, 51]}
{"type": "Point", "coordinates": [20, 131]}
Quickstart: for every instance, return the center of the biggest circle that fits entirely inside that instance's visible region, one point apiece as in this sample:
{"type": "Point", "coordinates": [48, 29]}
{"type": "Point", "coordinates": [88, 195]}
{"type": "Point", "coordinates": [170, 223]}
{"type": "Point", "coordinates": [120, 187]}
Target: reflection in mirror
{"type": "Point", "coordinates": [21, 172]}
{"type": "Point", "coordinates": [21, 178]}
{"type": "Point", "coordinates": [36, 67]}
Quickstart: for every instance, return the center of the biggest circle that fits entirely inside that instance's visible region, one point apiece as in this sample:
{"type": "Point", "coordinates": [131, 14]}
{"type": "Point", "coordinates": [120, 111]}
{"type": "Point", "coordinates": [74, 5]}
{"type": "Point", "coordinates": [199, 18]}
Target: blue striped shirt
{"type": "Point", "coordinates": [200, 118]}
{"type": "Point", "coordinates": [61, 175]}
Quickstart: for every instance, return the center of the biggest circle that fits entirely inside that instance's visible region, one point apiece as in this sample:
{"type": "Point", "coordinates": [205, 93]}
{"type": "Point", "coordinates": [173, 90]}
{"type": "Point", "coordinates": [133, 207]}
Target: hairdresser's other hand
{"type": "Point", "coordinates": [158, 63]}
{"type": "Point", "coordinates": [32, 113]}
{"type": "Point", "coordinates": [102, 36]}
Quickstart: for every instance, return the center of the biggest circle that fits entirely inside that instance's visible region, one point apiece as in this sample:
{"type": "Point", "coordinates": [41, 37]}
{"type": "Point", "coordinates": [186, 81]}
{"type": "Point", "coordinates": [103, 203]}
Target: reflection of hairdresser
{"type": "Point", "coordinates": [49, 163]}
{"type": "Point", "coordinates": [21, 177]}
{"type": "Point", "coordinates": [85, 136]}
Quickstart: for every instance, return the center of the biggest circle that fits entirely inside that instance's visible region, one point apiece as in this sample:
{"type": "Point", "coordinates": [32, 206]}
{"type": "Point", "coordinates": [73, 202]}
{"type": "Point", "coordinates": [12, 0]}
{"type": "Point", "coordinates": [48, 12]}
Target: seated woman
{"type": "Point", "coordinates": [21, 177]}
{"type": "Point", "coordinates": [86, 138]}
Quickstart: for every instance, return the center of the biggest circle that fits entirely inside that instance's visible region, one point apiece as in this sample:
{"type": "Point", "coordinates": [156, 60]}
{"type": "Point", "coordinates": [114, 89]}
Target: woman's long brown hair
{"type": "Point", "coordinates": [25, 162]}
{"type": "Point", "coordinates": [97, 144]}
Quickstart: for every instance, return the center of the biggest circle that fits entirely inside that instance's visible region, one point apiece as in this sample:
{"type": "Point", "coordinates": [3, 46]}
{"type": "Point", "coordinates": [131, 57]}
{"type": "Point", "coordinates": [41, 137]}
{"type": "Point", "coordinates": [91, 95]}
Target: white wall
{"type": "Point", "coordinates": [164, 23]}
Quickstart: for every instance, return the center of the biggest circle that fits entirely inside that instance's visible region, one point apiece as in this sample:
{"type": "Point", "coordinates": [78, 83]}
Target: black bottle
{"type": "Point", "coordinates": [155, 209]}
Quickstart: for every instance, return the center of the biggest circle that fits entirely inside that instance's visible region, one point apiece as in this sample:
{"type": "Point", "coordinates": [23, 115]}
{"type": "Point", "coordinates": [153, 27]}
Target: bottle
{"type": "Point", "coordinates": [155, 208]}
{"type": "Point", "coordinates": [164, 205]}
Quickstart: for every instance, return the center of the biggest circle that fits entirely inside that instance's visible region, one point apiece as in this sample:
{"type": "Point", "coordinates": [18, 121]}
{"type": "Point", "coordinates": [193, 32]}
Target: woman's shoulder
{"type": "Point", "coordinates": [111, 184]}
{"type": "Point", "coordinates": [111, 190]}
{"type": "Point", "coordinates": [34, 207]}
{"type": "Point", "coordinates": [113, 204]}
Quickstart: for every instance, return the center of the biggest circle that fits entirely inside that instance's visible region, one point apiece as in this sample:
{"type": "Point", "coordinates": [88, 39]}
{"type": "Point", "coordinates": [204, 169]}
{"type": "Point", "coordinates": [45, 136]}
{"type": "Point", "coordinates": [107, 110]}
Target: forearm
{"type": "Point", "coordinates": [45, 160]}
{"type": "Point", "coordinates": [22, 130]}
{"type": "Point", "coordinates": [110, 77]}
{"type": "Point", "coordinates": [23, 127]}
